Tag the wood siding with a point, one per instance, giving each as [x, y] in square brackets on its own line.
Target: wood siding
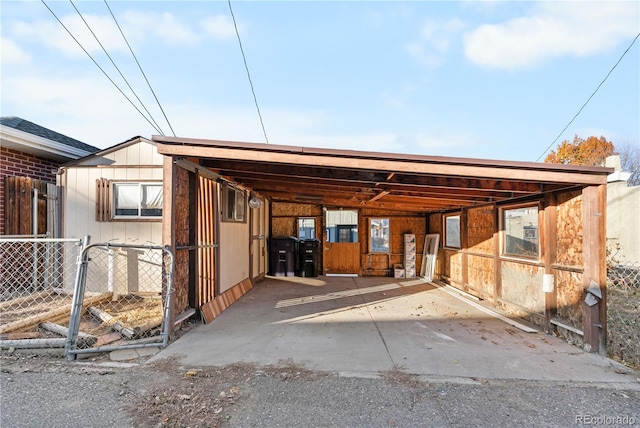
[566, 246]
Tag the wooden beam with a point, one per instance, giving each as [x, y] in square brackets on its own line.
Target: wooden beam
[379, 195]
[399, 166]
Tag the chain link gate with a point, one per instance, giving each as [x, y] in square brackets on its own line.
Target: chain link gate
[36, 288]
[122, 299]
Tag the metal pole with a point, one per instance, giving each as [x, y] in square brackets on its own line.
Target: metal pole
[78, 296]
[34, 252]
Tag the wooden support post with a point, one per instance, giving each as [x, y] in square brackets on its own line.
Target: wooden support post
[549, 249]
[595, 266]
[169, 221]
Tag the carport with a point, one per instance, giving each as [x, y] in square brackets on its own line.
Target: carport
[526, 237]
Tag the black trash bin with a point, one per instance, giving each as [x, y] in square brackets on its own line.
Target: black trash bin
[282, 256]
[308, 252]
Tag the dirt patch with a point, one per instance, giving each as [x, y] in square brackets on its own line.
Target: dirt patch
[204, 397]
[399, 377]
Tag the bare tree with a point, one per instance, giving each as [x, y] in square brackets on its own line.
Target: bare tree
[630, 162]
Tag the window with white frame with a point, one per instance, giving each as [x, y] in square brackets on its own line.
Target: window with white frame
[137, 200]
[452, 231]
[233, 203]
[521, 232]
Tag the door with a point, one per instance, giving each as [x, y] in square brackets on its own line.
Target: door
[206, 241]
[341, 247]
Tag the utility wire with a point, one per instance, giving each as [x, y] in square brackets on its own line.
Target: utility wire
[248, 74]
[591, 96]
[114, 64]
[140, 67]
[98, 65]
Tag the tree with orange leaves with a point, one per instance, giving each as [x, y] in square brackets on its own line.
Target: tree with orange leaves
[590, 152]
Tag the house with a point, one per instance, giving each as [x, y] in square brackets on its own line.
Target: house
[623, 236]
[30, 155]
[528, 237]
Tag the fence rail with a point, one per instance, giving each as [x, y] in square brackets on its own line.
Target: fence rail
[623, 313]
[121, 299]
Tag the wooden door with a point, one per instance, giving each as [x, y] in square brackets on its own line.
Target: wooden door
[341, 249]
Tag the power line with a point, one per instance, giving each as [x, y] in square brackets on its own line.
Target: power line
[101, 69]
[591, 96]
[248, 74]
[116, 67]
[140, 67]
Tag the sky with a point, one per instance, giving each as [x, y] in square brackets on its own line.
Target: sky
[489, 80]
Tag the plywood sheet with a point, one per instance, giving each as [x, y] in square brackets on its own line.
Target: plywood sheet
[569, 295]
[480, 230]
[569, 230]
[522, 285]
[481, 274]
[279, 209]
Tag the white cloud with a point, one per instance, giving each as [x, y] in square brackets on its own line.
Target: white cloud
[12, 53]
[436, 38]
[159, 25]
[51, 33]
[553, 29]
[220, 27]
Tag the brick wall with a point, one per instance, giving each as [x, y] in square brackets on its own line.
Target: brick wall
[20, 164]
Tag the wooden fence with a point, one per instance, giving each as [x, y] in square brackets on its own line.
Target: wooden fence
[19, 212]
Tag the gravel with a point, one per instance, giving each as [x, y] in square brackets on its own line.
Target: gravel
[44, 391]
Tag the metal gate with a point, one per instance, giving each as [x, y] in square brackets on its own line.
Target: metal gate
[121, 300]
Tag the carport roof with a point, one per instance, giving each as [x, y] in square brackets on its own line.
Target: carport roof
[357, 179]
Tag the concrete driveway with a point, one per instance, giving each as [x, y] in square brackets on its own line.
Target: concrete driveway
[362, 326]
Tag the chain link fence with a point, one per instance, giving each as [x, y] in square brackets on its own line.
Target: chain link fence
[121, 300]
[623, 313]
[37, 277]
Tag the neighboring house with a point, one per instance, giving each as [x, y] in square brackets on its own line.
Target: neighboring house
[623, 206]
[525, 236]
[30, 155]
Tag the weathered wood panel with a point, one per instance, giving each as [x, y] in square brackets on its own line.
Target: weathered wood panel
[481, 274]
[279, 209]
[283, 226]
[569, 297]
[182, 234]
[480, 230]
[522, 285]
[378, 264]
[569, 230]
[453, 265]
[18, 205]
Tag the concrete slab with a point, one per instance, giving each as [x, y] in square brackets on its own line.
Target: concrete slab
[132, 354]
[367, 325]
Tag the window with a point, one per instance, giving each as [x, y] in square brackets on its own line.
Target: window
[379, 235]
[521, 231]
[233, 204]
[306, 228]
[452, 231]
[137, 200]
